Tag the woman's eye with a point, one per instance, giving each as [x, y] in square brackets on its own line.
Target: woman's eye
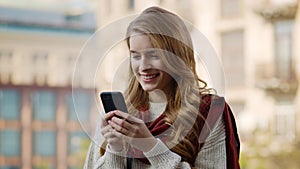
[135, 57]
[154, 56]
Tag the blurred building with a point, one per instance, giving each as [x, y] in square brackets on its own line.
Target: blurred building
[257, 45]
[40, 125]
[255, 40]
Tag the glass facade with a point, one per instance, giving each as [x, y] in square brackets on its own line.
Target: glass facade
[79, 104]
[10, 142]
[9, 105]
[9, 167]
[44, 143]
[43, 137]
[44, 105]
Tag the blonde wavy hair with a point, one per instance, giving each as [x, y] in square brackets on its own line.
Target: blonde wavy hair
[168, 33]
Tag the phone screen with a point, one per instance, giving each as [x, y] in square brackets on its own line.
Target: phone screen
[113, 101]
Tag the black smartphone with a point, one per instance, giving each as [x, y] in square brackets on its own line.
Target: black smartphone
[113, 101]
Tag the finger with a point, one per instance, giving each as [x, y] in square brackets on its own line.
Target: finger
[109, 115]
[121, 122]
[109, 135]
[105, 129]
[106, 117]
[126, 126]
[121, 135]
[117, 127]
[128, 117]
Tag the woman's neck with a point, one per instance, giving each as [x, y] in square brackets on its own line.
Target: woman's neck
[157, 96]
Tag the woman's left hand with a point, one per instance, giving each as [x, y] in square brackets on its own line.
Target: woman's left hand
[133, 130]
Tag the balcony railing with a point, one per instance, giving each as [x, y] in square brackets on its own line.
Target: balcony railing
[277, 9]
[266, 78]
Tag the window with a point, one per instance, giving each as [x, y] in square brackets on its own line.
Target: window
[44, 143]
[73, 17]
[40, 57]
[283, 49]
[79, 106]
[9, 167]
[9, 105]
[285, 119]
[131, 4]
[230, 8]
[5, 56]
[10, 142]
[6, 63]
[233, 57]
[70, 64]
[41, 66]
[44, 106]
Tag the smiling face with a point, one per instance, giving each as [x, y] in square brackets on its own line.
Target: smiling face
[147, 65]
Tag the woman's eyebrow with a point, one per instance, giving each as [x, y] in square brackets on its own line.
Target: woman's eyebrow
[151, 51]
[133, 51]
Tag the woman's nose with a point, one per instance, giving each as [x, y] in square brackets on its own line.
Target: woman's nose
[145, 63]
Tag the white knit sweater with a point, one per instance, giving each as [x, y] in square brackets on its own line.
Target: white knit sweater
[211, 156]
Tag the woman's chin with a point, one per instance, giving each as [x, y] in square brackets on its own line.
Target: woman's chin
[148, 88]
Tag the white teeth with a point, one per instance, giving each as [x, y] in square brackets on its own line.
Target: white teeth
[148, 77]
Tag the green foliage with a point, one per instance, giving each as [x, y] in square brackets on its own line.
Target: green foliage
[265, 151]
[42, 165]
[81, 154]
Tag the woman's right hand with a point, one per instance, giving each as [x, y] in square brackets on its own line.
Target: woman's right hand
[115, 143]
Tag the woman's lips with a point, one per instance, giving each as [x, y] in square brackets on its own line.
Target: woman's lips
[149, 77]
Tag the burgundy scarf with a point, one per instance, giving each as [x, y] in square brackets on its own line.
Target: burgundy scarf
[211, 108]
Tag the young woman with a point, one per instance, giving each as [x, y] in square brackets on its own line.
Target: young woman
[173, 121]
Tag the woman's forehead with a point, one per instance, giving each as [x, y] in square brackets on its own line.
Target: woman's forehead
[140, 42]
